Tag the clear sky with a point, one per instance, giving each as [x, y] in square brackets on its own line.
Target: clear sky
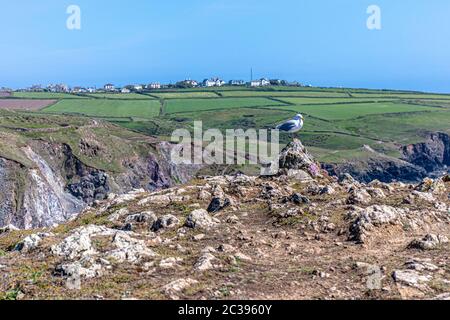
[319, 42]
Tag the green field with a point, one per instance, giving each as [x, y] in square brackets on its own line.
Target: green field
[319, 100]
[184, 95]
[120, 96]
[260, 93]
[45, 95]
[189, 105]
[107, 108]
[402, 96]
[355, 110]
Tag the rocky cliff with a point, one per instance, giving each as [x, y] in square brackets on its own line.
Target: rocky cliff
[48, 176]
[417, 161]
[298, 235]
[432, 155]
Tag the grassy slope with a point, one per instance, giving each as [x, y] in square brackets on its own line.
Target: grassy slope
[350, 111]
[123, 96]
[115, 143]
[190, 105]
[108, 108]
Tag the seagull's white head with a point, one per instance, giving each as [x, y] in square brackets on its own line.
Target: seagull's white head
[298, 117]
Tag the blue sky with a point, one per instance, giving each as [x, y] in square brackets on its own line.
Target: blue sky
[321, 42]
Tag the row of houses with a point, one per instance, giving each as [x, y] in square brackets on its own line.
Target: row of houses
[188, 83]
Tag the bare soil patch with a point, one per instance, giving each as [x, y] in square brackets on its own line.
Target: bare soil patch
[25, 104]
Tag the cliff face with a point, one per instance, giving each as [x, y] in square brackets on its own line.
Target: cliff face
[417, 162]
[59, 185]
[432, 155]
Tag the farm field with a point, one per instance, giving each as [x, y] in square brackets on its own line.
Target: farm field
[319, 100]
[185, 95]
[107, 108]
[402, 96]
[190, 105]
[45, 95]
[25, 104]
[120, 96]
[350, 111]
[301, 93]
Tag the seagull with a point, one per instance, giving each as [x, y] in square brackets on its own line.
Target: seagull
[292, 126]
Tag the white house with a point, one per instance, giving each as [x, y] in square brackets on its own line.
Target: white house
[154, 85]
[109, 87]
[260, 83]
[79, 90]
[190, 82]
[237, 82]
[138, 87]
[125, 90]
[213, 82]
[58, 88]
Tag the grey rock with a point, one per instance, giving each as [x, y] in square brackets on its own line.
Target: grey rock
[167, 221]
[218, 203]
[296, 157]
[205, 262]
[143, 217]
[371, 217]
[31, 242]
[429, 242]
[410, 278]
[200, 219]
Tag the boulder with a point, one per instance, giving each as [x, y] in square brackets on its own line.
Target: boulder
[429, 242]
[205, 262]
[359, 196]
[79, 243]
[295, 157]
[421, 265]
[31, 242]
[129, 249]
[410, 278]
[143, 217]
[297, 198]
[177, 286]
[167, 221]
[218, 203]
[371, 217]
[200, 219]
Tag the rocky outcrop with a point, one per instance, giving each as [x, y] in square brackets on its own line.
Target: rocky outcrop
[432, 155]
[417, 162]
[384, 169]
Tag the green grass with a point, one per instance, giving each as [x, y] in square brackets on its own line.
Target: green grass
[350, 111]
[120, 96]
[184, 95]
[45, 95]
[269, 93]
[191, 105]
[107, 108]
[319, 100]
[402, 96]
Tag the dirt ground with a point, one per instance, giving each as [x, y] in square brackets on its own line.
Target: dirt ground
[25, 104]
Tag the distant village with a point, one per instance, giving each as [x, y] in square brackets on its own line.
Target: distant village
[184, 84]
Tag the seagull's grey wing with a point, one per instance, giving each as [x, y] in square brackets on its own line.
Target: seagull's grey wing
[287, 126]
